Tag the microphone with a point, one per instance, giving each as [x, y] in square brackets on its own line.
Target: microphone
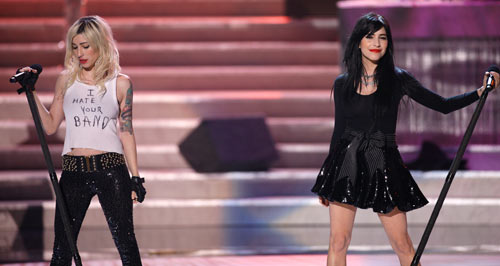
[490, 82]
[21, 75]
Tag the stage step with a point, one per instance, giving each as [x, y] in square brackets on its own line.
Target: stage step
[185, 54]
[187, 184]
[228, 258]
[14, 30]
[31, 8]
[95, 243]
[207, 78]
[196, 104]
[180, 29]
[173, 131]
[246, 212]
[55, 8]
[291, 155]
[276, 224]
[176, 8]
[187, 8]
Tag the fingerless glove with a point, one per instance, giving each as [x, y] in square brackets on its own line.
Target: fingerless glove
[138, 187]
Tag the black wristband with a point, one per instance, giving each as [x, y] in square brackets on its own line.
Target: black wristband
[138, 177]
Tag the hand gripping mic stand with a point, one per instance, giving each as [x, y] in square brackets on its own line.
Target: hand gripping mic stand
[53, 177]
[453, 170]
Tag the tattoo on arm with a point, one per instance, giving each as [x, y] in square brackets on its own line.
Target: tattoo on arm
[126, 115]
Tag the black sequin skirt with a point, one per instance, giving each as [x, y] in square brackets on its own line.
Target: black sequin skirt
[366, 170]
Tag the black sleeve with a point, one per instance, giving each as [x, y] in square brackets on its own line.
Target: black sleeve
[434, 101]
[340, 121]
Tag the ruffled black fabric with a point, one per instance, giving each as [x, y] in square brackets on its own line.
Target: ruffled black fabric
[366, 170]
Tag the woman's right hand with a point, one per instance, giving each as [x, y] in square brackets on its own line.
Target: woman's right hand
[28, 80]
[27, 69]
[496, 76]
[324, 201]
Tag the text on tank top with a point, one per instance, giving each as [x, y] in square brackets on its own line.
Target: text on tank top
[91, 117]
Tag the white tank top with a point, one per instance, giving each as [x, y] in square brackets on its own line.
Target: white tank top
[91, 118]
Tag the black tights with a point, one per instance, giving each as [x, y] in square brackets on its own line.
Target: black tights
[113, 189]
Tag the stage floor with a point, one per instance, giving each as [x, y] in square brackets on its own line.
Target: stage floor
[300, 260]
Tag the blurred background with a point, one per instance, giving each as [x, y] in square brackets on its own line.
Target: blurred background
[193, 61]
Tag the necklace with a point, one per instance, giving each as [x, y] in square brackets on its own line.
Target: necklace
[368, 83]
[368, 76]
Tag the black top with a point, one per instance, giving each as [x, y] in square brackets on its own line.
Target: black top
[358, 113]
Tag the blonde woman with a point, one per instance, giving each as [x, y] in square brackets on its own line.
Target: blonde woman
[94, 97]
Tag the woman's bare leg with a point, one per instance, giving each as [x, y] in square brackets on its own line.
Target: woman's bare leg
[341, 223]
[395, 227]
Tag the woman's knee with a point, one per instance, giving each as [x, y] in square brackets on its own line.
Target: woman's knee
[403, 245]
[340, 242]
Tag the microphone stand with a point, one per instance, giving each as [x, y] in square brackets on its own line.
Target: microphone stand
[451, 174]
[53, 177]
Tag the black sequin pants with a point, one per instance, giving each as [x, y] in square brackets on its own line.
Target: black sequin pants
[113, 188]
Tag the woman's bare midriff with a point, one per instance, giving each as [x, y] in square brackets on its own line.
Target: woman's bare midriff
[84, 152]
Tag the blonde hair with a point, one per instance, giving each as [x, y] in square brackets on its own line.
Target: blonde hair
[98, 33]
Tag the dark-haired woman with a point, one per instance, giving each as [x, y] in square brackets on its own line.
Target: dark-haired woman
[364, 168]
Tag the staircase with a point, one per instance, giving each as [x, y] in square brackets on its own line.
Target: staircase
[190, 59]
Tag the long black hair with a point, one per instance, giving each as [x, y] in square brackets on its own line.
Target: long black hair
[385, 73]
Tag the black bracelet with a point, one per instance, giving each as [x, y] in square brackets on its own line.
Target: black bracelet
[138, 178]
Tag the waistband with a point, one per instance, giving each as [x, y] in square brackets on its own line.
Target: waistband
[92, 163]
[380, 138]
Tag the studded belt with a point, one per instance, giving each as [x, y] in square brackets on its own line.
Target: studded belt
[92, 163]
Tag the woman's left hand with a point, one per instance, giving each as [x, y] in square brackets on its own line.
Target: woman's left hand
[138, 189]
[134, 197]
[496, 76]
[323, 201]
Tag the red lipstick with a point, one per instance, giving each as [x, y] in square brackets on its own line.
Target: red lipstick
[83, 61]
[375, 50]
